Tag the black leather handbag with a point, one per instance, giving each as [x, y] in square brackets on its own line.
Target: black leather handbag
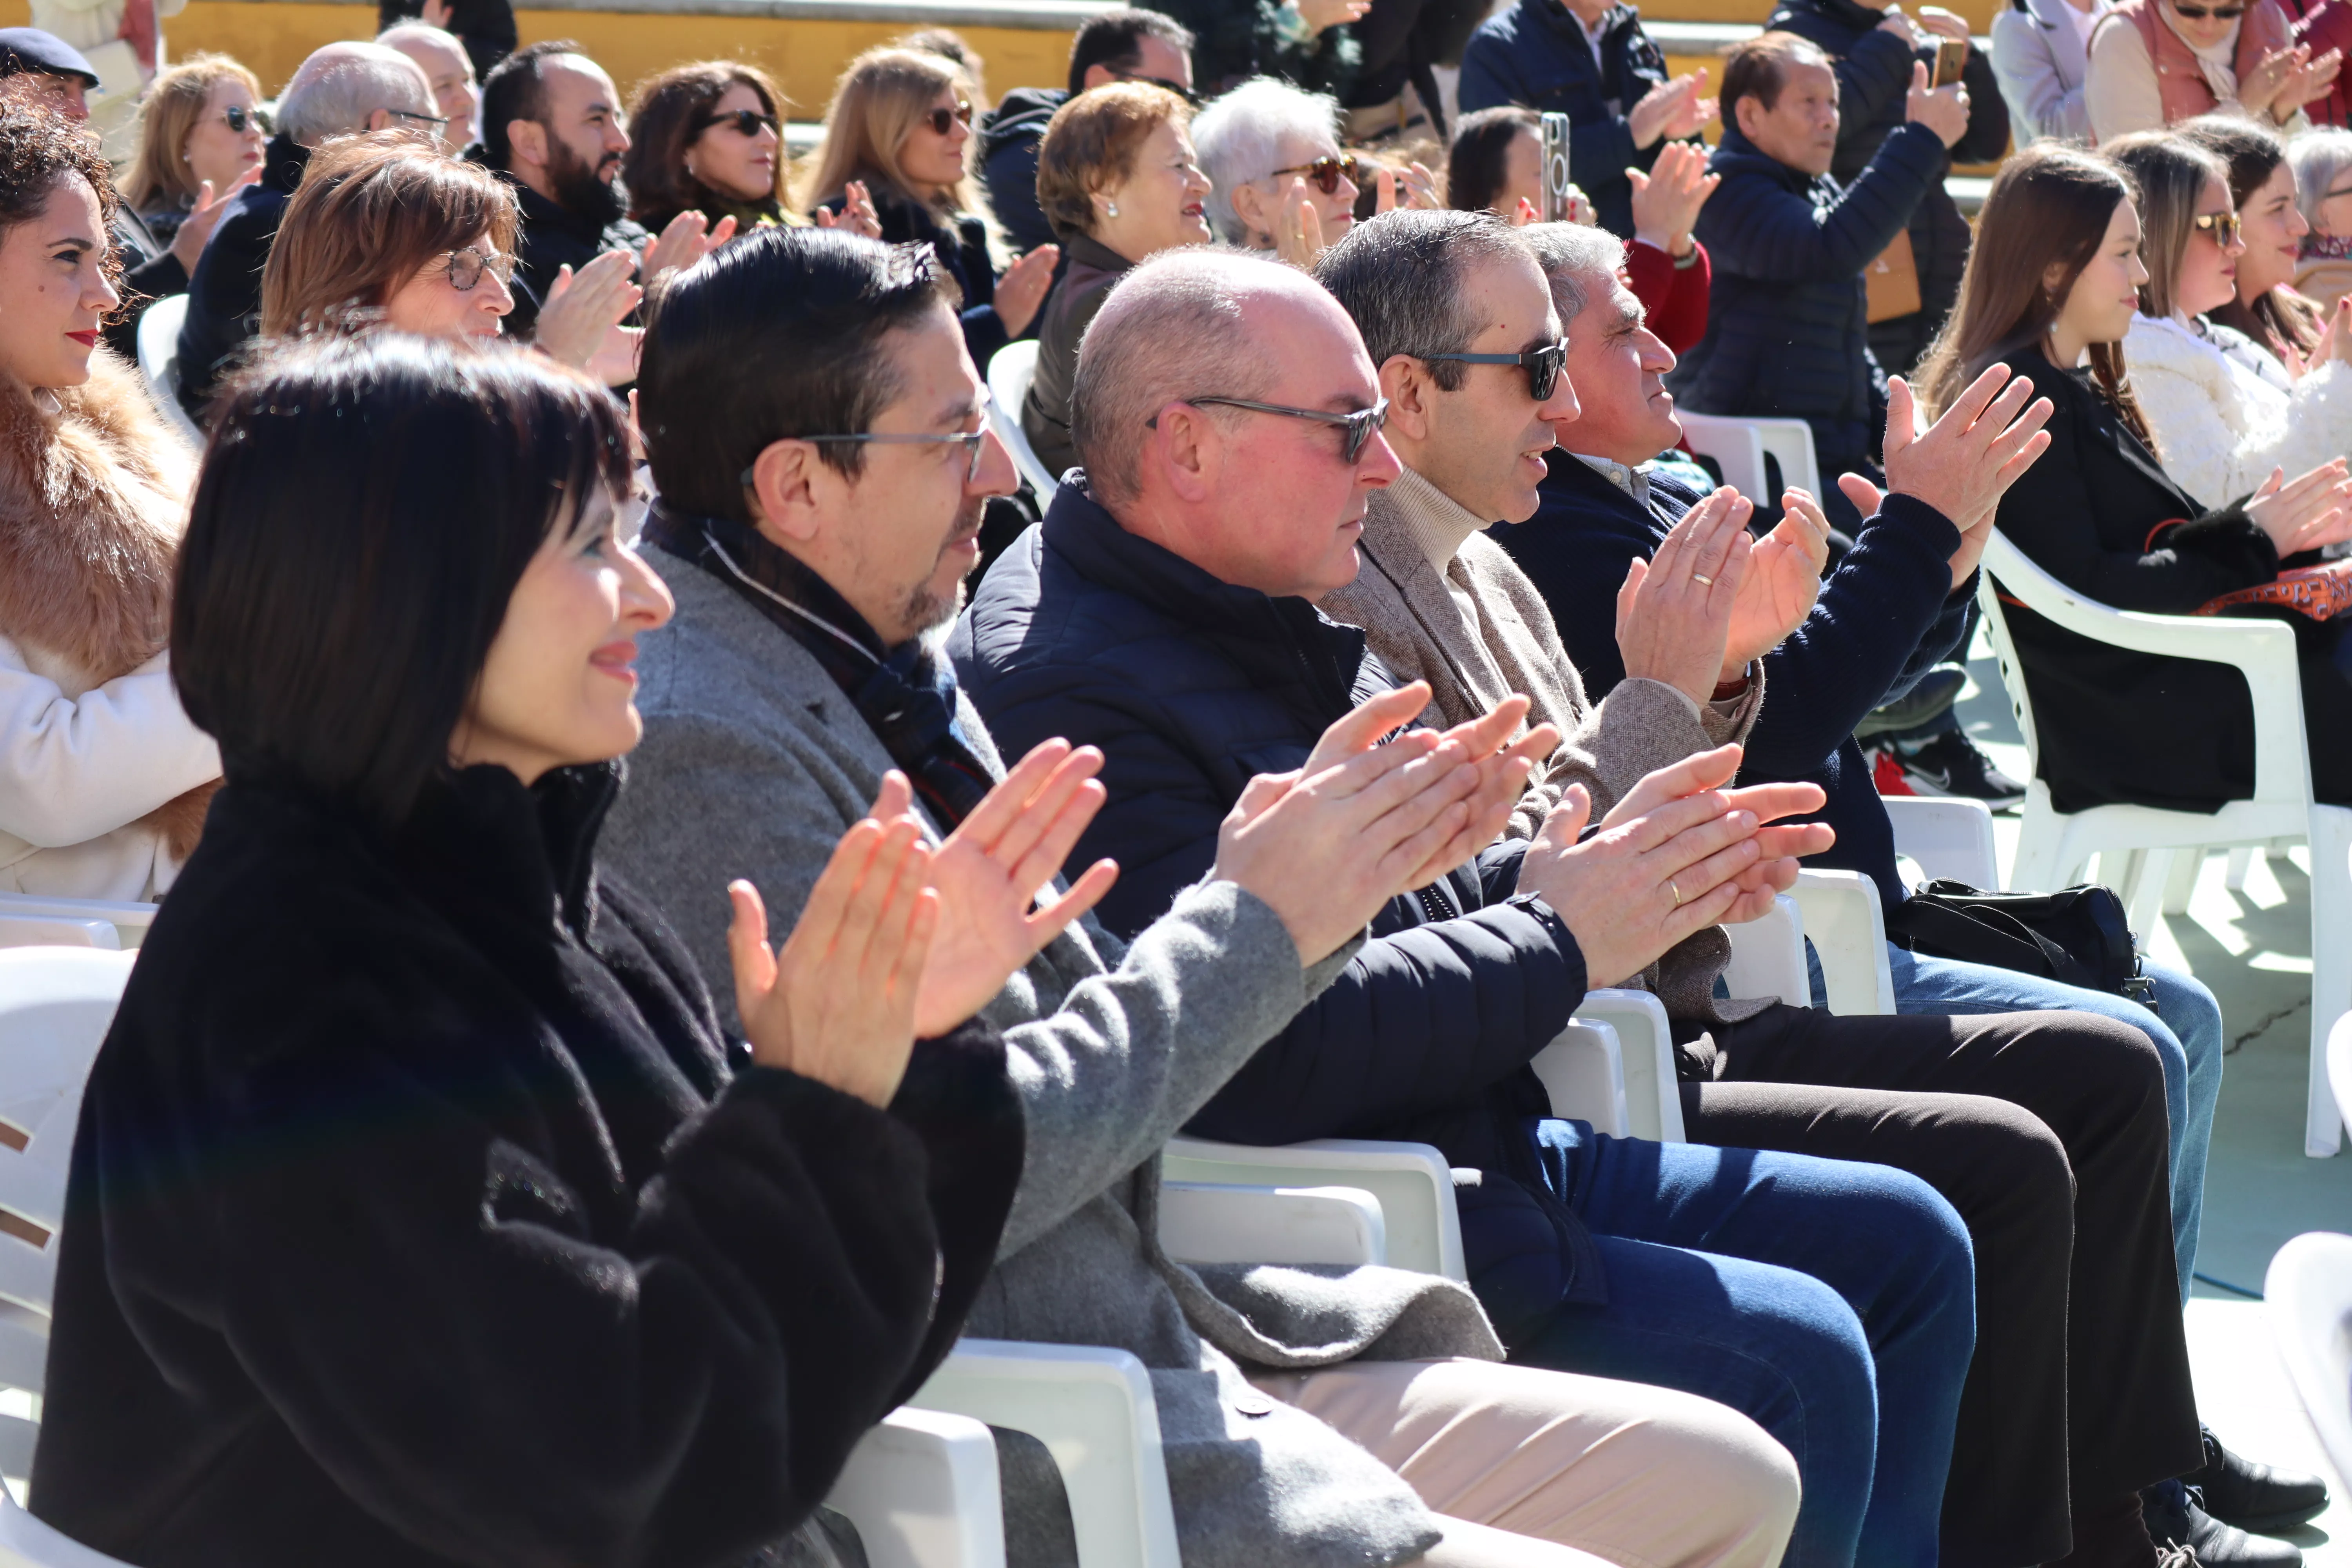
[2078, 936]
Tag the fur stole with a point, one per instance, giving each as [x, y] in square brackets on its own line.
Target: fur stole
[93, 499]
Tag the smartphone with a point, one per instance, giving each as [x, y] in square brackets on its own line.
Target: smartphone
[1951, 59]
[1556, 182]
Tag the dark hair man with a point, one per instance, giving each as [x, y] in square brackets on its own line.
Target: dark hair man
[1122, 45]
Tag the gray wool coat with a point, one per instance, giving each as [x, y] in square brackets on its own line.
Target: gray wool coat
[753, 764]
[1413, 620]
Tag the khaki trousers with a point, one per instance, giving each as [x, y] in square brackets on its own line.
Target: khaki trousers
[1549, 1469]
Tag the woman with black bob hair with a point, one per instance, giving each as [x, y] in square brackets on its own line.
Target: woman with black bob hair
[420, 1212]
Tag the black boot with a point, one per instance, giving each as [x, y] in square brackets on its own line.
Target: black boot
[2175, 1519]
[2255, 1497]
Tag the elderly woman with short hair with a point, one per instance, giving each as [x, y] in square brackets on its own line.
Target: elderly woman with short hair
[2322, 162]
[1117, 179]
[1281, 181]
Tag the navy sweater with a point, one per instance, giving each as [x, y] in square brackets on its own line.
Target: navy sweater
[1887, 616]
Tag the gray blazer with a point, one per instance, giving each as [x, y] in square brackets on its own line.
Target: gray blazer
[2040, 61]
[753, 764]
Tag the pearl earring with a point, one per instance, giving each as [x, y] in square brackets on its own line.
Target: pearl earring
[1110, 209]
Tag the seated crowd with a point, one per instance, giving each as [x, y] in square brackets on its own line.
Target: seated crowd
[583, 583]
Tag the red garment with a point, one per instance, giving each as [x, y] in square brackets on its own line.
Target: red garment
[2178, 79]
[1675, 296]
[2325, 24]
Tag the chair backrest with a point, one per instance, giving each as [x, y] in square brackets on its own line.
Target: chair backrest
[159, 360]
[1768, 956]
[1009, 373]
[56, 1004]
[2307, 1294]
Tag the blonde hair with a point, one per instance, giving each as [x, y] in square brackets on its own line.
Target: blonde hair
[876, 106]
[159, 175]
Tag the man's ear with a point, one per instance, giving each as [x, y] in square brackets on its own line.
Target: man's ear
[1186, 447]
[1413, 397]
[378, 118]
[527, 142]
[1744, 112]
[788, 483]
[1096, 75]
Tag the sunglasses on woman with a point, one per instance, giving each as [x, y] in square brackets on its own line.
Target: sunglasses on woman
[239, 118]
[2223, 226]
[940, 119]
[745, 123]
[1326, 171]
[1356, 428]
[2219, 13]
[466, 267]
[1542, 365]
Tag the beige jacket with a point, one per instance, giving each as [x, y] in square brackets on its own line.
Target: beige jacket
[1419, 624]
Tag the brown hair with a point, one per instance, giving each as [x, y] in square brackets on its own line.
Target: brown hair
[668, 114]
[1093, 140]
[39, 148]
[1759, 69]
[174, 106]
[2171, 173]
[2282, 317]
[2049, 206]
[876, 105]
[371, 212]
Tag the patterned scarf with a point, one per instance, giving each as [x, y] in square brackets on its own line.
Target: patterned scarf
[906, 695]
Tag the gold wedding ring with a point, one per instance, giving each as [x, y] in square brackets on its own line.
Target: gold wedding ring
[1702, 579]
[1677, 892]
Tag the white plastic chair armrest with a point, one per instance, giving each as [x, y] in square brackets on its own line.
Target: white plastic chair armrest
[1093, 1409]
[2308, 1295]
[1208, 1222]
[1849, 932]
[1790, 441]
[39, 931]
[130, 920]
[26, 1543]
[1654, 1102]
[1412, 1181]
[1010, 372]
[1735, 445]
[2263, 650]
[1949, 837]
[922, 1490]
[1583, 1071]
[1768, 956]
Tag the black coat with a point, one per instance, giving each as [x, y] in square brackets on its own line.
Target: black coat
[150, 271]
[1191, 686]
[1090, 269]
[1873, 72]
[962, 245]
[417, 1216]
[1787, 328]
[1010, 135]
[1234, 40]
[224, 295]
[2119, 726]
[554, 237]
[1535, 55]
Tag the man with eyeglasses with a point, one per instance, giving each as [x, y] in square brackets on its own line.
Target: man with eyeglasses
[341, 90]
[443, 59]
[1120, 45]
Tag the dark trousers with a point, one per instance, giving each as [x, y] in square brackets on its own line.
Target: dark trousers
[2066, 1191]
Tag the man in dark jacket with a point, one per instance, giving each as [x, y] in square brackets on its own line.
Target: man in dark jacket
[340, 90]
[1873, 52]
[1164, 615]
[1122, 45]
[1593, 62]
[551, 124]
[1788, 328]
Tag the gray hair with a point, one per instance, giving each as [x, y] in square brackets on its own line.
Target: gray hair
[1239, 138]
[1404, 277]
[1171, 329]
[342, 84]
[2318, 158]
[1569, 253]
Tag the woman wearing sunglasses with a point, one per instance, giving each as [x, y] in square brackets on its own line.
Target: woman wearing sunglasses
[2220, 425]
[2057, 290]
[706, 137]
[2154, 63]
[198, 127]
[900, 123]
[1281, 181]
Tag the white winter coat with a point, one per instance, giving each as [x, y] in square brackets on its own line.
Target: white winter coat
[2221, 426]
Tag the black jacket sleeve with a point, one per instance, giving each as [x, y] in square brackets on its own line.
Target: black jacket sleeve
[1761, 229]
[1989, 128]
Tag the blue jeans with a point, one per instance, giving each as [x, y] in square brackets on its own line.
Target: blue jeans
[1832, 1302]
[2186, 1033]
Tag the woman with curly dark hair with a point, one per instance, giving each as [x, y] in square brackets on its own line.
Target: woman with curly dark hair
[706, 137]
[103, 780]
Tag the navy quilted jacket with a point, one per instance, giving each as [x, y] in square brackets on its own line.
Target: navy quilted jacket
[1787, 328]
[1191, 686]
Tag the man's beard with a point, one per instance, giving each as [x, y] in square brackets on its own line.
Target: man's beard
[926, 609]
[578, 190]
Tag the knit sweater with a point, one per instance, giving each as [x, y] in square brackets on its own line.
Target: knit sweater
[2220, 427]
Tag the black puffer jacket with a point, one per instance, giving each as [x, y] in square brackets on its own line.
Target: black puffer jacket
[1190, 686]
[1788, 326]
[1873, 72]
[1009, 138]
[418, 1218]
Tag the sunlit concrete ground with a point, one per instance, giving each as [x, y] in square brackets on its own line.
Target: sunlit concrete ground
[2254, 948]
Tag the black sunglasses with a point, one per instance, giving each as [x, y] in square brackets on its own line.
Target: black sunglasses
[237, 118]
[1178, 88]
[1326, 171]
[747, 122]
[1357, 427]
[2219, 13]
[1542, 365]
[940, 119]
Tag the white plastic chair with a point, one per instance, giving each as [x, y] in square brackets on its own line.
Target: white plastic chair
[1948, 837]
[159, 361]
[2054, 847]
[2308, 1293]
[1009, 373]
[1646, 1061]
[76, 922]
[1410, 1182]
[1739, 445]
